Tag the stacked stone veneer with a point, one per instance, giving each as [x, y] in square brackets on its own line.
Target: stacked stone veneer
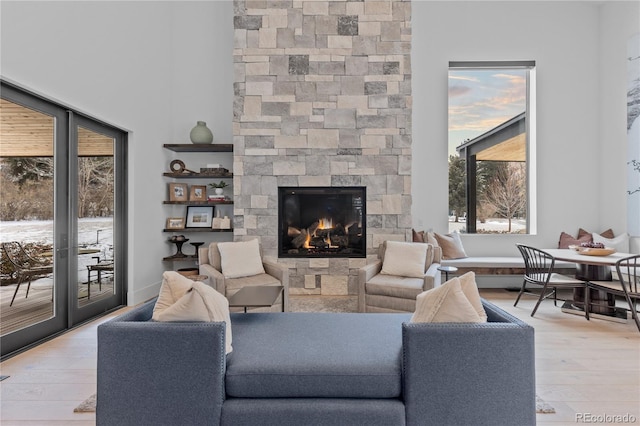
[322, 98]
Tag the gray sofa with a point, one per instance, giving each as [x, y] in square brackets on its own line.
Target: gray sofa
[316, 369]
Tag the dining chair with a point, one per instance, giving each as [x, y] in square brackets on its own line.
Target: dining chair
[539, 271]
[625, 283]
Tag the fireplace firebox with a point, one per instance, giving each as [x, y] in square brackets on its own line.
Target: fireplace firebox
[322, 221]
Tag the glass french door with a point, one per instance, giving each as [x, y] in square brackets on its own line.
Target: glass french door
[94, 228]
[62, 210]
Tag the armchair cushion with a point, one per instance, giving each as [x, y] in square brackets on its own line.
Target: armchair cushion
[235, 284]
[404, 259]
[395, 286]
[181, 299]
[240, 259]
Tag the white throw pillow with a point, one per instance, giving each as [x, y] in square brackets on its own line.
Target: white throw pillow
[181, 299]
[240, 259]
[446, 303]
[470, 289]
[619, 243]
[404, 259]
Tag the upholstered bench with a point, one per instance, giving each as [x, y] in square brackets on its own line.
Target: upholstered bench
[499, 265]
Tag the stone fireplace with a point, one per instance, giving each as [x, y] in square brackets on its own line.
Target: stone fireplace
[322, 99]
[322, 222]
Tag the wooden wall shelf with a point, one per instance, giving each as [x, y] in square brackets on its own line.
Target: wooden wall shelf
[197, 175]
[193, 147]
[185, 258]
[197, 230]
[198, 203]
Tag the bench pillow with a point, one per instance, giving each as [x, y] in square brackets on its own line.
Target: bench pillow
[619, 243]
[567, 240]
[451, 245]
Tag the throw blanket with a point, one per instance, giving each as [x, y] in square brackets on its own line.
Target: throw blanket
[181, 299]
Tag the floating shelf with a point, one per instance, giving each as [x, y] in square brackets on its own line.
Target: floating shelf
[197, 230]
[185, 258]
[193, 147]
[198, 203]
[197, 175]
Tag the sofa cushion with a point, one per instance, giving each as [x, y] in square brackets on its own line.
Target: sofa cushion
[470, 289]
[446, 303]
[291, 355]
[181, 299]
[404, 259]
[395, 286]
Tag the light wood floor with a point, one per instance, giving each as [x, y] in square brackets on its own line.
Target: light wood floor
[581, 367]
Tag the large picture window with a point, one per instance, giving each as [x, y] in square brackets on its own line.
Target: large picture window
[491, 135]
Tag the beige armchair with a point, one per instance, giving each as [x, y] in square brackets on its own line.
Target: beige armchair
[210, 264]
[379, 292]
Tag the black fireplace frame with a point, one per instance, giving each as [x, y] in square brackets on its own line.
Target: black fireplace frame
[284, 191]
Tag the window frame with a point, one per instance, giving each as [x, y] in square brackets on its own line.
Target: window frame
[530, 131]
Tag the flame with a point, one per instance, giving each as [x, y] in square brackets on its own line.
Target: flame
[325, 223]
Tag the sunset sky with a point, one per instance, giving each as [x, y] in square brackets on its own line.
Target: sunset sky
[479, 100]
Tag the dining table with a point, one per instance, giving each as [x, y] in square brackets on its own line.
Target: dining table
[591, 267]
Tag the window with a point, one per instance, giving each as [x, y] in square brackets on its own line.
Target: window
[491, 141]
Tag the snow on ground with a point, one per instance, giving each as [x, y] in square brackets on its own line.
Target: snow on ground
[42, 231]
[93, 233]
[492, 225]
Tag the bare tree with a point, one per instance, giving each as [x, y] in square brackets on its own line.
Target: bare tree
[95, 186]
[506, 193]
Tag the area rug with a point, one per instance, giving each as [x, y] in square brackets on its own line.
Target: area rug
[89, 406]
[542, 407]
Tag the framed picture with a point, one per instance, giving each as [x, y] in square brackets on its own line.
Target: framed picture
[175, 223]
[199, 216]
[198, 193]
[178, 192]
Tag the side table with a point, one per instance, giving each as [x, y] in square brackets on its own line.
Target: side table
[201, 278]
[446, 270]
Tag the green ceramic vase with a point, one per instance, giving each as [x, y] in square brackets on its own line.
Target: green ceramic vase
[201, 133]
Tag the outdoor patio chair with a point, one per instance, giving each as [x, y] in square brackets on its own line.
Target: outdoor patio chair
[539, 271]
[25, 267]
[103, 264]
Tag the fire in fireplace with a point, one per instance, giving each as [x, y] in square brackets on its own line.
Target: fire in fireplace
[322, 221]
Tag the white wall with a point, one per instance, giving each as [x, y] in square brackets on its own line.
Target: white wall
[620, 21]
[579, 153]
[156, 67]
[153, 68]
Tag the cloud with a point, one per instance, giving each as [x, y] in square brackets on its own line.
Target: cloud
[457, 90]
[462, 77]
[482, 100]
